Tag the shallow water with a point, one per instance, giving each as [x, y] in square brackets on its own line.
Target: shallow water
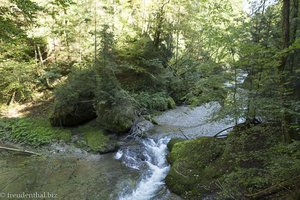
[192, 122]
[135, 172]
[69, 177]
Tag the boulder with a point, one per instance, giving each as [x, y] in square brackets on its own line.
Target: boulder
[116, 118]
[73, 115]
[98, 141]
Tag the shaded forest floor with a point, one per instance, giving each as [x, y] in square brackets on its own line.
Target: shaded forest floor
[30, 109]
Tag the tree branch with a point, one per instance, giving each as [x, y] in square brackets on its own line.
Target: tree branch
[19, 150]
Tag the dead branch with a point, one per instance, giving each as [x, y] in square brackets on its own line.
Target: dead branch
[271, 190]
[19, 150]
[216, 135]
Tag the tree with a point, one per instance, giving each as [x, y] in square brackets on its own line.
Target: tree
[17, 64]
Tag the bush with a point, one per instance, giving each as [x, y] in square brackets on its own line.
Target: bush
[155, 101]
[18, 81]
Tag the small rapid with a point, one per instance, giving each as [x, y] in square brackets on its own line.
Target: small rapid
[136, 172]
[153, 159]
[147, 156]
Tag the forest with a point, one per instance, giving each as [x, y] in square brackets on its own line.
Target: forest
[115, 78]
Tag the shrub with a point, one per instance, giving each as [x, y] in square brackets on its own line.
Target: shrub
[155, 101]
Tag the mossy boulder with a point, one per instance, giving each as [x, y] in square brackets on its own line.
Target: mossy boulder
[191, 172]
[173, 141]
[250, 160]
[117, 118]
[171, 103]
[74, 114]
[91, 137]
[98, 141]
[74, 100]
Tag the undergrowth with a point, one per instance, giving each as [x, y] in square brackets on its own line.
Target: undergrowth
[31, 131]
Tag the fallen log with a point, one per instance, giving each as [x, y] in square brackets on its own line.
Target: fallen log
[19, 150]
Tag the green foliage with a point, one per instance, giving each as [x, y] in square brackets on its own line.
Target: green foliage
[74, 99]
[198, 82]
[32, 131]
[116, 110]
[142, 61]
[142, 52]
[17, 79]
[12, 23]
[154, 102]
[250, 160]
[79, 86]
[19, 73]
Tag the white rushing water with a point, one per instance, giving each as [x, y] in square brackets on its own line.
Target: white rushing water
[154, 159]
[148, 156]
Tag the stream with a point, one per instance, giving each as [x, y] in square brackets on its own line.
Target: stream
[136, 172]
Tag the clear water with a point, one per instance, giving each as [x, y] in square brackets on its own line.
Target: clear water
[136, 172]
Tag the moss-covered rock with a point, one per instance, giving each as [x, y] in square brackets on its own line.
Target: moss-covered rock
[91, 137]
[74, 100]
[171, 103]
[97, 141]
[250, 160]
[117, 118]
[191, 172]
[173, 141]
[74, 114]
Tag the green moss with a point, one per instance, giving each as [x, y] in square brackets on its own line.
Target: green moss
[116, 118]
[173, 141]
[249, 160]
[95, 139]
[32, 131]
[64, 136]
[190, 174]
[171, 103]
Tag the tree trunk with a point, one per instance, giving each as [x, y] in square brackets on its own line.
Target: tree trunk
[12, 98]
[282, 69]
[293, 60]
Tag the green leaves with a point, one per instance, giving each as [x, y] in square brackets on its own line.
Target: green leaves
[28, 8]
[18, 78]
[34, 132]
